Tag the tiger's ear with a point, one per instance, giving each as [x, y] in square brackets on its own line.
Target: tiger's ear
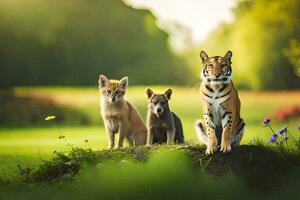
[124, 82]
[149, 93]
[228, 56]
[203, 56]
[168, 94]
[103, 80]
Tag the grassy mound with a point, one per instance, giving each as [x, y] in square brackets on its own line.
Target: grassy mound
[259, 166]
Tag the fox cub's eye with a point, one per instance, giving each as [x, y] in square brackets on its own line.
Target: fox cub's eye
[108, 91]
[163, 103]
[117, 91]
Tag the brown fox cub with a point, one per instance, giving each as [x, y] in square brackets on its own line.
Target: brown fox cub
[221, 105]
[162, 124]
[119, 115]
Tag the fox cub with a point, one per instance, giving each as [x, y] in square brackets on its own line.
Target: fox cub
[222, 123]
[162, 124]
[119, 115]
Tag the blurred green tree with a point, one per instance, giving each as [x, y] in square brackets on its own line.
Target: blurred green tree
[264, 38]
[53, 42]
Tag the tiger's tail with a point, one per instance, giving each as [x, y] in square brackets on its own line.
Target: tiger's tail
[200, 132]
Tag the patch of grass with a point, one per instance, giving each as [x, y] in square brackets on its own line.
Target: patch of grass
[165, 175]
[258, 165]
[257, 141]
[165, 172]
[69, 164]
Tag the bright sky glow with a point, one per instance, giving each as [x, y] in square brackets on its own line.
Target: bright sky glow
[199, 16]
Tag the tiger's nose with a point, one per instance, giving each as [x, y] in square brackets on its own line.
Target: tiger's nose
[218, 75]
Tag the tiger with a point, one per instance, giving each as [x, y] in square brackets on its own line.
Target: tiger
[222, 125]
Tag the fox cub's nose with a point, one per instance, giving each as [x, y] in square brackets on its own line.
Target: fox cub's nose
[113, 99]
[158, 110]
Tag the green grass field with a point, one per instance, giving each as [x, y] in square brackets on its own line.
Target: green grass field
[29, 145]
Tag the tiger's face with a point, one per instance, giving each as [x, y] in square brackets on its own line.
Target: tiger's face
[216, 69]
[112, 90]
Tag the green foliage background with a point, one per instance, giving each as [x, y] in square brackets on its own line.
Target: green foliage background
[52, 42]
[264, 38]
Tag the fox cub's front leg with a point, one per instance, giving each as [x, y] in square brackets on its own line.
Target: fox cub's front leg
[111, 135]
[122, 134]
[211, 134]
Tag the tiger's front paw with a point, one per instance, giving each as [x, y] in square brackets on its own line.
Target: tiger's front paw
[210, 150]
[212, 147]
[225, 148]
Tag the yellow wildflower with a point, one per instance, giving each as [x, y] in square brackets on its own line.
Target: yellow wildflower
[51, 117]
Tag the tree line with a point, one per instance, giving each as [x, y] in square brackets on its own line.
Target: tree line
[70, 42]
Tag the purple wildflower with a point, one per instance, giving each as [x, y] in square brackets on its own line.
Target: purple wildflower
[283, 130]
[274, 138]
[299, 127]
[267, 121]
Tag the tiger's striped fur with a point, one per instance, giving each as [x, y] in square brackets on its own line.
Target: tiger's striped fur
[222, 124]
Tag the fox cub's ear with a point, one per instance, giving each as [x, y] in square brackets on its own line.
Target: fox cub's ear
[103, 80]
[124, 82]
[168, 94]
[149, 93]
[203, 56]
